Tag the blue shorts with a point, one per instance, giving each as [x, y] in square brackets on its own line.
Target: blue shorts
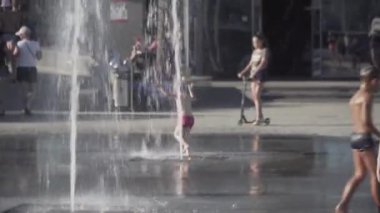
[362, 141]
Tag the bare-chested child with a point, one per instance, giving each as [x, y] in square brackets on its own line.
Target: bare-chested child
[362, 143]
[185, 120]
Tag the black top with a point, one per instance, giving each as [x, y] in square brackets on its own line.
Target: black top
[2, 54]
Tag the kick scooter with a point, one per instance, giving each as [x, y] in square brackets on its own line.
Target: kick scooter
[243, 119]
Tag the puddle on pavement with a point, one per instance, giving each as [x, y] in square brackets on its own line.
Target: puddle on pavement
[119, 167]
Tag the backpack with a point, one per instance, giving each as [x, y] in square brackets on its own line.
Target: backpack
[375, 27]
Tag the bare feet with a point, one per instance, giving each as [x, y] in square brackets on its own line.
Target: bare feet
[258, 122]
[340, 209]
[185, 150]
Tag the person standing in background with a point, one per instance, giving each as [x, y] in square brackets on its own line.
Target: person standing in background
[27, 52]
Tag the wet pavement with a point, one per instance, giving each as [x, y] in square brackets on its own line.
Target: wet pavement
[143, 173]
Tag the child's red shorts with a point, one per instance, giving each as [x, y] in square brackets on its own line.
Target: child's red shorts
[188, 121]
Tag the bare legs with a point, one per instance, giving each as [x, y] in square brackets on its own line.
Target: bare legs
[182, 135]
[28, 89]
[256, 89]
[364, 162]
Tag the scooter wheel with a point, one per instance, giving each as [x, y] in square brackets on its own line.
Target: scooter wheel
[267, 121]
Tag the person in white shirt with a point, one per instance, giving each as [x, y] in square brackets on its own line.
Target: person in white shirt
[27, 52]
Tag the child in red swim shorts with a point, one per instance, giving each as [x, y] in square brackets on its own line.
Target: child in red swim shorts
[185, 121]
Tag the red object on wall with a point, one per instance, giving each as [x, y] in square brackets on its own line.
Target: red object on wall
[119, 10]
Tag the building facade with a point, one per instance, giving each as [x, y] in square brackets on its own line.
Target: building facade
[297, 33]
[220, 31]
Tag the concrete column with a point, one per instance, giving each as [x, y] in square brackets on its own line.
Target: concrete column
[253, 19]
[256, 16]
[198, 37]
[343, 16]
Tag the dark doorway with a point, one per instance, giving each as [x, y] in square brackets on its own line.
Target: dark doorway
[235, 52]
[234, 34]
[287, 25]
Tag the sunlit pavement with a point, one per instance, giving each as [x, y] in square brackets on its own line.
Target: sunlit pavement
[143, 173]
[129, 162]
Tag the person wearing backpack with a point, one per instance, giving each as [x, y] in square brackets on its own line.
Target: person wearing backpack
[374, 35]
[27, 53]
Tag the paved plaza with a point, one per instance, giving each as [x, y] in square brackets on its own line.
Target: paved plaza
[129, 162]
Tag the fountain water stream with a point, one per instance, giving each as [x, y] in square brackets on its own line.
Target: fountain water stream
[83, 18]
[81, 42]
[74, 99]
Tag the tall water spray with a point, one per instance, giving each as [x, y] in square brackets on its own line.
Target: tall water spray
[178, 63]
[166, 22]
[81, 43]
[74, 98]
[83, 40]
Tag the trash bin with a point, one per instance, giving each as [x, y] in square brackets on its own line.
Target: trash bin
[120, 86]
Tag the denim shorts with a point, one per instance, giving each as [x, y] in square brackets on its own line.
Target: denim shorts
[362, 141]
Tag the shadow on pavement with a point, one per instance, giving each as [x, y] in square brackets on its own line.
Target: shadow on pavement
[218, 98]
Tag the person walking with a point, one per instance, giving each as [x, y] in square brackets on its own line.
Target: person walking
[257, 67]
[183, 95]
[27, 52]
[362, 142]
